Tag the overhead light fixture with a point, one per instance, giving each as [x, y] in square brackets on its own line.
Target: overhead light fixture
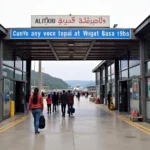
[70, 44]
[115, 25]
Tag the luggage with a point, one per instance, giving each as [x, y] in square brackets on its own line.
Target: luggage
[42, 122]
[73, 110]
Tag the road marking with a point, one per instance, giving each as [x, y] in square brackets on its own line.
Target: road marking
[12, 122]
[6, 127]
[136, 125]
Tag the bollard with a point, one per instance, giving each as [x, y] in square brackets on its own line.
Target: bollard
[12, 108]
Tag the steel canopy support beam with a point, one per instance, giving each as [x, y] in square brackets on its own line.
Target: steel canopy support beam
[89, 49]
[52, 48]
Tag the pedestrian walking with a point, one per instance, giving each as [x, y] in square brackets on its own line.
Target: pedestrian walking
[70, 103]
[36, 105]
[109, 99]
[78, 95]
[64, 100]
[49, 102]
[54, 101]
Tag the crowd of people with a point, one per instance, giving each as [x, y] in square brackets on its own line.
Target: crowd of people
[34, 103]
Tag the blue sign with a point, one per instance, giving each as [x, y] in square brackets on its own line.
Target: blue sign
[69, 33]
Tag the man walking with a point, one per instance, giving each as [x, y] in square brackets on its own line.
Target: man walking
[70, 103]
[64, 101]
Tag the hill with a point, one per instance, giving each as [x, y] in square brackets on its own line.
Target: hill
[91, 84]
[47, 80]
[84, 84]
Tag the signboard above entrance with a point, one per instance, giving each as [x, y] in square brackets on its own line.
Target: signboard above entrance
[69, 21]
[68, 33]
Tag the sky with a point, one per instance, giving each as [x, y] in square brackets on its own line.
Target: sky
[125, 13]
[68, 70]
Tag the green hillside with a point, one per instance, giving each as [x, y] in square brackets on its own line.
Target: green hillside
[47, 80]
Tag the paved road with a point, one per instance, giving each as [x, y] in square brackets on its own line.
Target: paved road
[92, 128]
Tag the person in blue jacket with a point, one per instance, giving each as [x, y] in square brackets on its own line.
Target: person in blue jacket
[51, 94]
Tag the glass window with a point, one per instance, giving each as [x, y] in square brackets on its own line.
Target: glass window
[148, 110]
[18, 63]
[135, 71]
[125, 74]
[8, 96]
[148, 47]
[113, 78]
[119, 65]
[8, 57]
[24, 66]
[98, 75]
[109, 70]
[109, 78]
[103, 80]
[134, 60]
[8, 72]
[112, 69]
[148, 87]
[103, 72]
[124, 63]
[98, 91]
[24, 76]
[148, 67]
[18, 75]
[113, 93]
[120, 75]
[134, 94]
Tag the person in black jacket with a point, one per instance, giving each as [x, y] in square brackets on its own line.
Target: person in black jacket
[108, 98]
[27, 97]
[54, 101]
[64, 101]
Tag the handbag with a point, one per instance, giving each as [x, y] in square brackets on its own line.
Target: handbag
[42, 122]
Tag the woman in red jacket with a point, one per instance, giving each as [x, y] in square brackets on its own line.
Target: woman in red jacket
[49, 102]
[36, 105]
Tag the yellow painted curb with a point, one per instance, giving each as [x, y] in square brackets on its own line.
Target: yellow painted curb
[136, 125]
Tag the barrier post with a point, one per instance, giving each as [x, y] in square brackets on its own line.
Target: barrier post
[12, 108]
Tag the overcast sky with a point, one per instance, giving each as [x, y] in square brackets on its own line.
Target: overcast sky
[68, 70]
[126, 13]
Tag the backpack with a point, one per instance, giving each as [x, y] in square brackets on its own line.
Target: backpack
[42, 122]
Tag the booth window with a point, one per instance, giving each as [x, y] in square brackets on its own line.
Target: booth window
[18, 63]
[134, 72]
[24, 76]
[8, 72]
[133, 61]
[124, 62]
[18, 75]
[8, 56]
[125, 74]
[24, 66]
[108, 70]
[112, 69]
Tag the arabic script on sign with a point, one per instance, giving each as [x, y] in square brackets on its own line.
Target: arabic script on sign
[85, 20]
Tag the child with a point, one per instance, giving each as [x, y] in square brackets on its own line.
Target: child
[49, 102]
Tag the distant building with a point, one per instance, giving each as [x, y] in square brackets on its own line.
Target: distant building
[91, 89]
[43, 89]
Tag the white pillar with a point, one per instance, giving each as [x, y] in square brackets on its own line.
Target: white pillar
[40, 76]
